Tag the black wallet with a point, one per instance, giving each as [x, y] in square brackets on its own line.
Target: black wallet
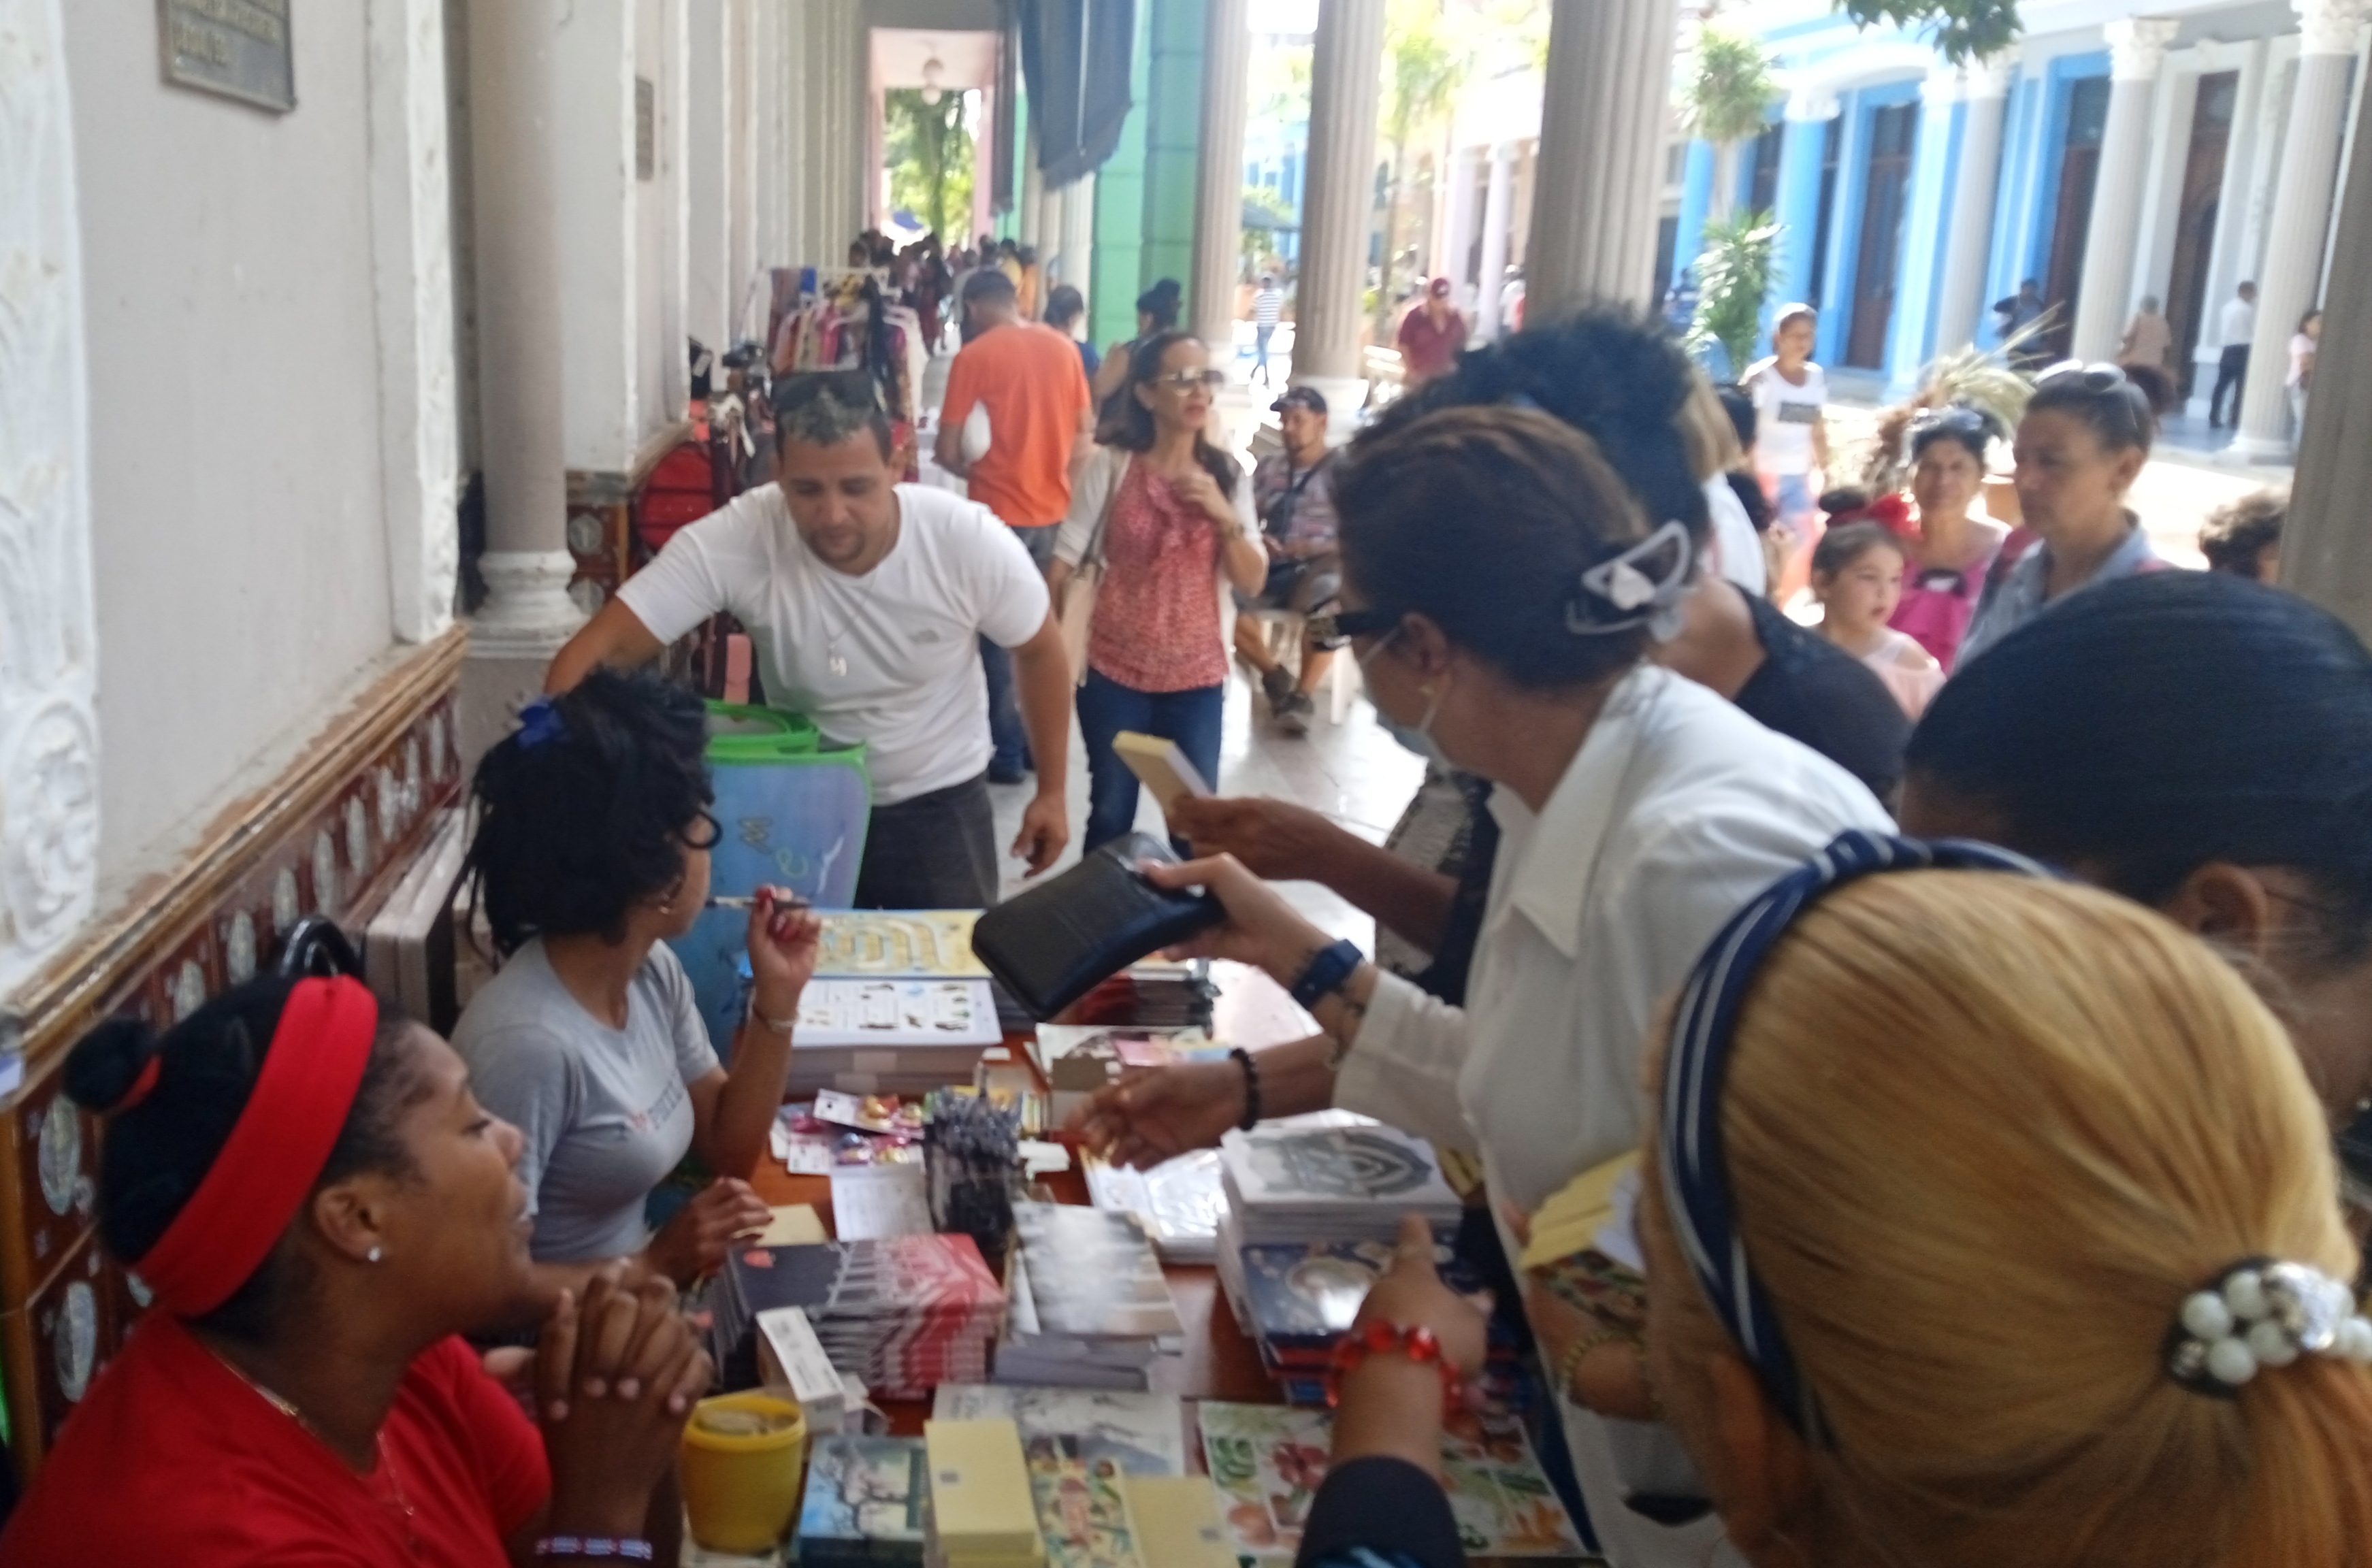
[1055, 942]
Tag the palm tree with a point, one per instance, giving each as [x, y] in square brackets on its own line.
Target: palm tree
[1728, 98]
[1422, 70]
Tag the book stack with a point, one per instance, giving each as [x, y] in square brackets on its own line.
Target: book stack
[903, 1313]
[1178, 1201]
[866, 1506]
[1084, 1448]
[1090, 1306]
[982, 1514]
[1301, 1298]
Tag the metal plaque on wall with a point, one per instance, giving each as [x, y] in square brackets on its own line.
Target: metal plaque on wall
[237, 48]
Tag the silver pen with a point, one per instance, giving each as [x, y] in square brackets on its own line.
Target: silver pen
[750, 900]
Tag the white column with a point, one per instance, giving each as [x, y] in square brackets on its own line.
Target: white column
[49, 727]
[1497, 200]
[797, 135]
[1346, 78]
[412, 266]
[858, 167]
[1967, 239]
[1601, 158]
[592, 134]
[527, 613]
[2327, 545]
[1459, 239]
[2136, 53]
[1031, 219]
[707, 163]
[1078, 235]
[984, 165]
[1219, 174]
[742, 178]
[2288, 284]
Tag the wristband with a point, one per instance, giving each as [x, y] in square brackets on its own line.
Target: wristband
[1327, 969]
[773, 1026]
[1419, 1344]
[619, 1547]
[1250, 1118]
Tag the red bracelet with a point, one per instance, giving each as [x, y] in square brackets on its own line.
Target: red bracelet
[1419, 1344]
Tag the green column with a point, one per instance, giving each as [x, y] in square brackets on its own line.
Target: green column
[1173, 140]
[1120, 208]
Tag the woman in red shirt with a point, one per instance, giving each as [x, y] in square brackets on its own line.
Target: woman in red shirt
[320, 1208]
[1169, 514]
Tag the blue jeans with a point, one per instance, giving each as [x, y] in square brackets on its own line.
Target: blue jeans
[1106, 707]
[1006, 731]
[1261, 336]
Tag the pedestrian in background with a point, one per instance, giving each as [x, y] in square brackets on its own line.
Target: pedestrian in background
[2236, 325]
[1268, 306]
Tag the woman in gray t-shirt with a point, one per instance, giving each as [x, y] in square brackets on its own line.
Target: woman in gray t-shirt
[591, 851]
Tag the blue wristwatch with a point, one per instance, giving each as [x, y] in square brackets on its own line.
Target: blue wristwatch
[1327, 969]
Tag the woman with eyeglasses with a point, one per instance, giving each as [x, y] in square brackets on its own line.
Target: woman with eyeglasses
[2085, 435]
[591, 854]
[1165, 514]
[1947, 562]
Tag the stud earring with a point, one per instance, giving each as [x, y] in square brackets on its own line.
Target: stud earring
[372, 1256]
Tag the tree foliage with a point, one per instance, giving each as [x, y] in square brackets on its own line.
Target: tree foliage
[1425, 66]
[1961, 31]
[1731, 90]
[1736, 271]
[929, 149]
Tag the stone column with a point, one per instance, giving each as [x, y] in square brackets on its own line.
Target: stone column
[824, 245]
[1969, 232]
[1497, 199]
[983, 167]
[708, 131]
[1345, 79]
[1805, 139]
[527, 613]
[1078, 235]
[592, 137]
[2286, 283]
[1601, 158]
[741, 186]
[2327, 545]
[1458, 229]
[1219, 174]
[2136, 52]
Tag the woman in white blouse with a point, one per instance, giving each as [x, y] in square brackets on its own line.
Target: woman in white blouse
[1502, 591]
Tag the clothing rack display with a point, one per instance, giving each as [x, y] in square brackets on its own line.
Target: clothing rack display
[845, 319]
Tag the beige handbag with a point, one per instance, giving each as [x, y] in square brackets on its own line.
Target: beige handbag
[1078, 611]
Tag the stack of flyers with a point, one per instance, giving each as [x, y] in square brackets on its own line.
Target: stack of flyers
[904, 1313]
[1178, 1201]
[1269, 1460]
[1331, 1183]
[868, 1504]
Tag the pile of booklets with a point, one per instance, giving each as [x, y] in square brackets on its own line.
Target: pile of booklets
[1313, 1210]
[1090, 1306]
[1178, 1201]
[982, 1512]
[868, 1504]
[903, 1313]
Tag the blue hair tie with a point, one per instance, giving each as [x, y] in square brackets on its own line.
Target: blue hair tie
[1695, 1169]
[539, 721]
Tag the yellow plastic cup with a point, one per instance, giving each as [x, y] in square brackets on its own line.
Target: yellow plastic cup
[742, 1459]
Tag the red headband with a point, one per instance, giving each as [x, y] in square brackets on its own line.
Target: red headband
[274, 1153]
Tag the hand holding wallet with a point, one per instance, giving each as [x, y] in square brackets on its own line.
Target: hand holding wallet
[1056, 942]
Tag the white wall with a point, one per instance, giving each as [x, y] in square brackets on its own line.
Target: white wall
[238, 549]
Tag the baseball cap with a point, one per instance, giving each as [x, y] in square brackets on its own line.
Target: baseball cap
[1438, 288]
[1300, 397]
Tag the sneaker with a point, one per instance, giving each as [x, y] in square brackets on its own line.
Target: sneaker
[1277, 685]
[1294, 714]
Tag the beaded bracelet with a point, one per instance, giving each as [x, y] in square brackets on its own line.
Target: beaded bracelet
[622, 1548]
[1251, 1116]
[1419, 1344]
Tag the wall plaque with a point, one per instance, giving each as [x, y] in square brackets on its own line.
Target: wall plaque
[646, 129]
[237, 48]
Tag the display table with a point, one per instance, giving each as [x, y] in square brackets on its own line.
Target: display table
[1220, 1361]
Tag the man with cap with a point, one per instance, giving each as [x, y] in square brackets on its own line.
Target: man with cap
[1430, 336]
[1293, 491]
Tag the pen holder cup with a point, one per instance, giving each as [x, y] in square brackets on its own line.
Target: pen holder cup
[742, 1460]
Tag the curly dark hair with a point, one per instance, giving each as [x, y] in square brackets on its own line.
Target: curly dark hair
[581, 815]
[2237, 533]
[158, 1150]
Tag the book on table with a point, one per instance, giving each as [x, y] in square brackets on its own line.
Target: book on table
[1331, 1183]
[983, 1515]
[866, 1503]
[1090, 1302]
[903, 1313]
[1085, 1448]
[1178, 1201]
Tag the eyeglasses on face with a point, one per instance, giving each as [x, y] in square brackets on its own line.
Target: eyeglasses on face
[1347, 624]
[704, 831]
[1187, 380]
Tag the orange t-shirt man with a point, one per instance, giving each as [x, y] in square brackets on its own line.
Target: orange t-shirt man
[1031, 380]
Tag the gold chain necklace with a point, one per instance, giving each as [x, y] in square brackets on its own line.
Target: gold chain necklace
[392, 1498]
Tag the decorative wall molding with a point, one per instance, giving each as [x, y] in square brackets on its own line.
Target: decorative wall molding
[2330, 26]
[412, 244]
[49, 734]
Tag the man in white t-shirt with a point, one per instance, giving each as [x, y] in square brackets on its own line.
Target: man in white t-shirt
[866, 600]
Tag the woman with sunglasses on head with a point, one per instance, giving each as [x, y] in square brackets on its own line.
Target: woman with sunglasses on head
[591, 854]
[319, 1207]
[1947, 562]
[1503, 588]
[1167, 513]
[1877, 1078]
[2082, 443]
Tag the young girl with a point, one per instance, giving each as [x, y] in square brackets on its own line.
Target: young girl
[1857, 578]
[1791, 440]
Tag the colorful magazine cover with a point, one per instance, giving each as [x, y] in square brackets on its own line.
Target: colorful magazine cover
[866, 1497]
[1081, 1511]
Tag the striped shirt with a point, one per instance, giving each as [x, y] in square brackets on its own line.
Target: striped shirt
[1267, 306]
